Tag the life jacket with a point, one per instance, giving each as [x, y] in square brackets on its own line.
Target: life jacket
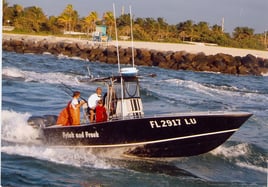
[101, 114]
[65, 117]
[75, 115]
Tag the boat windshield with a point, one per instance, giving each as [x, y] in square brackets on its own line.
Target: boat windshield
[130, 90]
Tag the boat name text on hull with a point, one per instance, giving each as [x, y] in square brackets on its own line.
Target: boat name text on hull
[83, 134]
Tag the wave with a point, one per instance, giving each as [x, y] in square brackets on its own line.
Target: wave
[20, 138]
[252, 167]
[223, 94]
[13, 73]
[62, 56]
[32, 76]
[211, 88]
[232, 151]
[243, 155]
[66, 156]
[15, 127]
[191, 85]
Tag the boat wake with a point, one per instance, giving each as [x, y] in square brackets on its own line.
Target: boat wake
[243, 155]
[20, 138]
[190, 94]
[211, 89]
[16, 129]
[32, 76]
[13, 74]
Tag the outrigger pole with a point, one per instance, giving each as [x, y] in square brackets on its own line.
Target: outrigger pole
[132, 44]
[116, 39]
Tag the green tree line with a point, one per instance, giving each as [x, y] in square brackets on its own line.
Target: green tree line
[33, 20]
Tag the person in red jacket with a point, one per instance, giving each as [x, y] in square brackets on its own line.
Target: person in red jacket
[101, 114]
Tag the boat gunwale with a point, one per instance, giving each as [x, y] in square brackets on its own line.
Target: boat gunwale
[178, 114]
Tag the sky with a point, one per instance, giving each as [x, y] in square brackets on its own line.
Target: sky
[236, 13]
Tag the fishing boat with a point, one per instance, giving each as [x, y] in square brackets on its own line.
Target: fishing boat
[139, 134]
[128, 127]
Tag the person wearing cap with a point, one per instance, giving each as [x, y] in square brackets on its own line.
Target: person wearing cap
[75, 108]
[70, 115]
[92, 103]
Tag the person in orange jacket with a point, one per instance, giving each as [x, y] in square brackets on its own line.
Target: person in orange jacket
[70, 115]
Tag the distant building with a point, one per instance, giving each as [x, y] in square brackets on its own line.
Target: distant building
[100, 34]
[8, 28]
[74, 33]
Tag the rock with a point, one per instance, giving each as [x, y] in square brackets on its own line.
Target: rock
[179, 60]
[158, 58]
[144, 57]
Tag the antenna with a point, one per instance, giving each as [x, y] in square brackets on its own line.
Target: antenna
[122, 10]
[116, 38]
[119, 71]
[132, 45]
[222, 24]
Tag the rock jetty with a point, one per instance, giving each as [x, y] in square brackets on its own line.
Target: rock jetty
[176, 60]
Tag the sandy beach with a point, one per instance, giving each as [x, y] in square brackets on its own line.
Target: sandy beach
[190, 48]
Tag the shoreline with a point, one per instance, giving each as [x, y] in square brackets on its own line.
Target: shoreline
[190, 57]
[194, 48]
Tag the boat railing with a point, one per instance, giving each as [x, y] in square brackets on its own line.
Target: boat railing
[130, 116]
[132, 108]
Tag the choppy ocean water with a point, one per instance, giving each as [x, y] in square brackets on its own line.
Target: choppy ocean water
[31, 85]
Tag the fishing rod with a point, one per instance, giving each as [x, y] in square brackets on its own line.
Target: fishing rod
[67, 87]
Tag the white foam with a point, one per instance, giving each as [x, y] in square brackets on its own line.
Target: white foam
[252, 167]
[232, 151]
[22, 141]
[50, 77]
[236, 151]
[15, 127]
[197, 87]
[217, 92]
[13, 72]
[62, 56]
[66, 156]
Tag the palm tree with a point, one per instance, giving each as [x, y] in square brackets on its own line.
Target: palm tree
[109, 21]
[68, 18]
[150, 26]
[90, 21]
[63, 20]
[18, 9]
[7, 13]
[241, 33]
[87, 24]
[186, 30]
[32, 19]
[162, 28]
[36, 17]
